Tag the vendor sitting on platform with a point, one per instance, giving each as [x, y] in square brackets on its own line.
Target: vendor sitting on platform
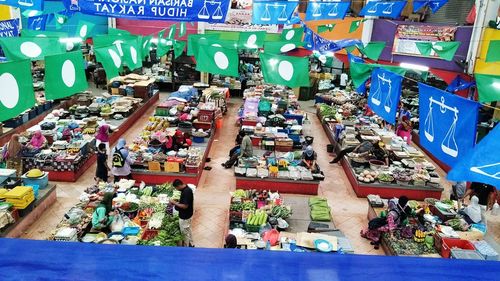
[309, 157]
[103, 214]
[379, 153]
[38, 141]
[245, 150]
[397, 212]
[363, 149]
[181, 140]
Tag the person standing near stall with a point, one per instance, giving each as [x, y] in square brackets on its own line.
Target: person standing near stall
[12, 155]
[185, 208]
[102, 136]
[102, 169]
[121, 161]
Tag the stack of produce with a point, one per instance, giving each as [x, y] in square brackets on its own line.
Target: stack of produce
[320, 211]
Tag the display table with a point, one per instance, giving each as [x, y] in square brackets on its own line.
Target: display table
[280, 185]
[153, 177]
[415, 138]
[72, 176]
[46, 197]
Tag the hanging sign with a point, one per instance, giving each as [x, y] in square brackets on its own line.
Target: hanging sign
[9, 28]
[24, 4]
[178, 10]
[327, 10]
[385, 92]
[387, 9]
[407, 36]
[481, 164]
[38, 22]
[273, 12]
[447, 123]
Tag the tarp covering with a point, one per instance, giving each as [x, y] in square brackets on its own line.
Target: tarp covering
[44, 260]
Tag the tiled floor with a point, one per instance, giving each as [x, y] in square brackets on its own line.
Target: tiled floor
[212, 196]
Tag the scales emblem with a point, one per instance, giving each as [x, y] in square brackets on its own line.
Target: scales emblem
[387, 10]
[317, 10]
[205, 12]
[449, 144]
[376, 97]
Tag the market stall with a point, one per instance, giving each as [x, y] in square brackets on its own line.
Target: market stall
[138, 215]
[273, 119]
[273, 221]
[402, 170]
[176, 141]
[23, 200]
[439, 232]
[67, 146]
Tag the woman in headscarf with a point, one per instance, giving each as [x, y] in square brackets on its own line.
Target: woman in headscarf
[309, 158]
[38, 141]
[12, 154]
[181, 141]
[103, 214]
[472, 213]
[102, 136]
[121, 161]
[397, 212]
[404, 129]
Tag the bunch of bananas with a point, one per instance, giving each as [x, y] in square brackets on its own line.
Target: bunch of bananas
[419, 236]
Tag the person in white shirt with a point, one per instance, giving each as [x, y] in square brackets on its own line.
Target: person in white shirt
[343, 80]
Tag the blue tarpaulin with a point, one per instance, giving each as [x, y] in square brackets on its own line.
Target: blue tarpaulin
[45, 260]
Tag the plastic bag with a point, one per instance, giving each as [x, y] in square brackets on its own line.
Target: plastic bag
[273, 236]
[117, 224]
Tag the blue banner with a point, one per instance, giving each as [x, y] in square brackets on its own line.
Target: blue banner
[9, 28]
[435, 5]
[387, 9]
[25, 4]
[38, 22]
[327, 10]
[273, 12]
[213, 11]
[447, 123]
[481, 164]
[323, 45]
[385, 92]
[459, 84]
[308, 38]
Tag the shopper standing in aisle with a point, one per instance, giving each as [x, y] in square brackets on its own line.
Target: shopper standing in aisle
[185, 208]
[12, 155]
[121, 161]
[343, 80]
[102, 136]
[102, 169]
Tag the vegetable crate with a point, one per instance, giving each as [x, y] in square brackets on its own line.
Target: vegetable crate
[252, 228]
[450, 243]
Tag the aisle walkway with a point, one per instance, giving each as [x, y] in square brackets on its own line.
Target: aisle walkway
[212, 196]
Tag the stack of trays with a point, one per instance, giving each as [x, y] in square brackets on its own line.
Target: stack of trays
[20, 196]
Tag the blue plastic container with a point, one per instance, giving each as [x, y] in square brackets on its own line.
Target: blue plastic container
[130, 230]
[42, 182]
[35, 189]
[198, 139]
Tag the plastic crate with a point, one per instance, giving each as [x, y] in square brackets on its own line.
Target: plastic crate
[252, 228]
[483, 248]
[35, 187]
[149, 234]
[450, 243]
[42, 182]
[465, 254]
[162, 111]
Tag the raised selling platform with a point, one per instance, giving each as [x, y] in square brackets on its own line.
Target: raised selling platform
[280, 185]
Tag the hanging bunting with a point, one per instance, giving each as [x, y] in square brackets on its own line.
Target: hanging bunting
[434, 5]
[326, 60]
[60, 20]
[64, 75]
[446, 50]
[459, 84]
[252, 40]
[325, 28]
[171, 31]
[9, 28]
[84, 29]
[327, 10]
[199, 10]
[488, 87]
[50, 34]
[293, 34]
[195, 39]
[216, 59]
[132, 53]
[324, 45]
[424, 48]
[447, 123]
[387, 9]
[38, 22]
[118, 32]
[110, 59]
[284, 70]
[308, 38]
[360, 72]
[355, 25]
[31, 13]
[163, 46]
[385, 92]
[34, 48]
[493, 54]
[17, 93]
[372, 50]
[272, 12]
[480, 164]
[182, 29]
[25, 4]
[280, 47]
[146, 45]
[179, 47]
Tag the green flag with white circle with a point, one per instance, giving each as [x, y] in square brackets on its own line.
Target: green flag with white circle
[132, 54]
[284, 70]
[43, 33]
[179, 47]
[216, 59]
[195, 39]
[60, 20]
[146, 45]
[293, 34]
[17, 93]
[84, 29]
[171, 32]
[117, 31]
[163, 46]
[33, 48]
[110, 59]
[182, 29]
[64, 75]
[281, 47]
[252, 40]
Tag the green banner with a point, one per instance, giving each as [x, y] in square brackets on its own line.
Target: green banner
[488, 87]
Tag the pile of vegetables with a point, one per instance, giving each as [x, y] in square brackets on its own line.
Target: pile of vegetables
[327, 111]
[402, 175]
[257, 218]
[407, 247]
[281, 211]
[367, 176]
[320, 211]
[383, 177]
[245, 206]
[169, 233]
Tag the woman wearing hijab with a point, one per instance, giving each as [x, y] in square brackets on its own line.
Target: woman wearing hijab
[181, 140]
[12, 154]
[397, 212]
[38, 141]
[102, 136]
[472, 213]
[309, 158]
[103, 214]
[121, 161]
[404, 128]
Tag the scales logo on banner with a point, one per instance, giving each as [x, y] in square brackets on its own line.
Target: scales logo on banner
[434, 5]
[9, 28]
[482, 164]
[388, 9]
[273, 12]
[447, 123]
[24, 4]
[179, 10]
[384, 95]
[38, 23]
[327, 10]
